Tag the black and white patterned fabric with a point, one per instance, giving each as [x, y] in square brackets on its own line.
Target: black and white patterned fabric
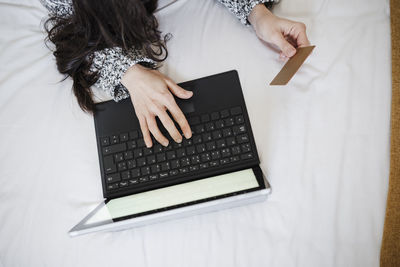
[112, 63]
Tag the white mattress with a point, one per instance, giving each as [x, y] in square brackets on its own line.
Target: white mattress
[323, 141]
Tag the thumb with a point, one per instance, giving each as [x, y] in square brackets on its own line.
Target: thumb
[287, 49]
[177, 90]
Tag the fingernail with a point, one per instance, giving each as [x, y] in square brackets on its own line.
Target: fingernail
[179, 140]
[166, 143]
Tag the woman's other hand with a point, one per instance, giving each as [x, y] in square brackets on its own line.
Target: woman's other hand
[151, 97]
[284, 33]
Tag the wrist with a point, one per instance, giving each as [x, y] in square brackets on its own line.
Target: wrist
[128, 75]
[258, 13]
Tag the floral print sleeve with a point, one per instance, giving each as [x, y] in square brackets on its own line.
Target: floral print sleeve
[110, 63]
[242, 8]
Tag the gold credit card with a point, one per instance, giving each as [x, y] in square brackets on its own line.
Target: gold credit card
[292, 66]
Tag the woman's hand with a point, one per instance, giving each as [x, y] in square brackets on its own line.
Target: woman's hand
[286, 34]
[151, 97]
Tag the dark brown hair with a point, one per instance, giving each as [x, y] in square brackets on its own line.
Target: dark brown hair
[99, 24]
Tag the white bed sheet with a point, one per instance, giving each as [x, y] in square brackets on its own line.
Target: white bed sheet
[323, 141]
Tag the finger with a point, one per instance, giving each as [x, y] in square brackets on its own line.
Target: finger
[180, 118]
[302, 40]
[177, 90]
[145, 131]
[153, 127]
[287, 49]
[170, 126]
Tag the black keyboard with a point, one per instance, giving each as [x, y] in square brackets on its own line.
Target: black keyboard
[219, 139]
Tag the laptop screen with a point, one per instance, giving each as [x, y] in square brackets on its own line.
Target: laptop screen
[152, 201]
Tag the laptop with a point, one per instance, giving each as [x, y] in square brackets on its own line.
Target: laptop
[218, 167]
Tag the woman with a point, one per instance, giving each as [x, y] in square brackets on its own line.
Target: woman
[115, 45]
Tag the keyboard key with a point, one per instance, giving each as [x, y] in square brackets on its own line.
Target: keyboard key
[165, 166]
[225, 152]
[105, 141]
[124, 137]
[133, 181]
[112, 178]
[114, 149]
[214, 163]
[145, 170]
[153, 176]
[180, 153]
[173, 172]
[114, 139]
[224, 161]
[122, 166]
[204, 165]
[137, 153]
[199, 129]
[134, 135]
[205, 118]
[194, 168]
[112, 186]
[109, 165]
[234, 158]
[205, 157]
[230, 141]
[147, 151]
[239, 119]
[141, 162]
[128, 155]
[155, 168]
[224, 113]
[211, 146]
[236, 111]
[235, 150]
[131, 145]
[131, 164]
[216, 134]
[175, 164]
[215, 116]
[163, 174]
[194, 120]
[239, 129]
[190, 150]
[151, 159]
[157, 148]
[195, 159]
[246, 148]
[242, 138]
[183, 170]
[140, 142]
[210, 127]
[215, 155]
[201, 148]
[135, 173]
[161, 157]
[219, 124]
[197, 139]
[207, 137]
[187, 142]
[221, 143]
[126, 175]
[143, 179]
[246, 156]
[185, 162]
[226, 132]
[229, 122]
[118, 157]
[171, 155]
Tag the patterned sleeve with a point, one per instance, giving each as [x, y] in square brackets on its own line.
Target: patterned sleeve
[242, 8]
[110, 63]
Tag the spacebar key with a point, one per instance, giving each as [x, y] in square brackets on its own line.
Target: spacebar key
[114, 149]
